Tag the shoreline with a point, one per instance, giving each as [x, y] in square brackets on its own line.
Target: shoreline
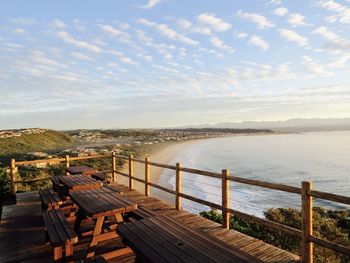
[164, 153]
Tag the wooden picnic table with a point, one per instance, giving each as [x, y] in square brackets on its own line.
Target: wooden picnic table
[99, 204]
[84, 170]
[79, 182]
[163, 239]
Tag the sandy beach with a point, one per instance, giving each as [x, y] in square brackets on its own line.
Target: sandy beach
[161, 153]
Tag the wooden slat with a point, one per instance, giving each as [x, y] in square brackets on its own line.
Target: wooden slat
[330, 197]
[280, 187]
[53, 236]
[139, 245]
[331, 245]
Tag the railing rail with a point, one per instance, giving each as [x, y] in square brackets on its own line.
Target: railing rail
[306, 193]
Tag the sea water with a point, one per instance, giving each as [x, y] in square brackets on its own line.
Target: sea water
[320, 157]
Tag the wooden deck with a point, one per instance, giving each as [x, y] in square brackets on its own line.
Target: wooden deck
[22, 237]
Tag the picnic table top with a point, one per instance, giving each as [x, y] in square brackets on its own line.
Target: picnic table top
[79, 182]
[85, 170]
[101, 202]
[163, 239]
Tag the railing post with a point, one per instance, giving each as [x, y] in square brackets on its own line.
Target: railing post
[13, 176]
[178, 201]
[147, 188]
[131, 172]
[307, 223]
[225, 197]
[114, 168]
[67, 163]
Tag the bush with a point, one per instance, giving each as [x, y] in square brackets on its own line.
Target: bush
[328, 224]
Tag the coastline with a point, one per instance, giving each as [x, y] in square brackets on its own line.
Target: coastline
[159, 153]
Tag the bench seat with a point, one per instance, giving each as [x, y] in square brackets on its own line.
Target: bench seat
[142, 213]
[49, 199]
[60, 234]
[102, 177]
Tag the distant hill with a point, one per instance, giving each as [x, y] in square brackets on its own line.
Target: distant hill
[49, 140]
[292, 125]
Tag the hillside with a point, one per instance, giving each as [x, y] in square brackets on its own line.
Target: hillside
[49, 140]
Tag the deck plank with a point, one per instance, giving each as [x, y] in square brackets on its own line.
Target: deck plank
[30, 239]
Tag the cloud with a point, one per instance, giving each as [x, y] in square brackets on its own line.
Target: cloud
[296, 19]
[81, 56]
[183, 23]
[39, 57]
[215, 23]
[241, 35]
[20, 31]
[24, 21]
[281, 11]
[342, 12]
[314, 68]
[151, 3]
[261, 21]
[168, 32]
[259, 42]
[78, 43]
[123, 58]
[293, 36]
[58, 23]
[323, 31]
[114, 32]
[220, 44]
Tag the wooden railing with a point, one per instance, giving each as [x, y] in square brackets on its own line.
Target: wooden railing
[305, 191]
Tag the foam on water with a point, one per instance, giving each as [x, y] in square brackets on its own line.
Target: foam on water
[321, 157]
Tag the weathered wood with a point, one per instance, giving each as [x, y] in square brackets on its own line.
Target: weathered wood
[331, 245]
[172, 167]
[48, 161]
[280, 187]
[82, 169]
[13, 176]
[331, 197]
[201, 172]
[131, 172]
[225, 189]
[200, 201]
[307, 221]
[147, 174]
[268, 223]
[97, 156]
[162, 188]
[114, 167]
[178, 203]
[67, 164]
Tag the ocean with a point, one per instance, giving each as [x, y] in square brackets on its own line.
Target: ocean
[320, 157]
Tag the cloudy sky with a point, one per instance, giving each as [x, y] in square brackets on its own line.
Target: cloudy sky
[159, 63]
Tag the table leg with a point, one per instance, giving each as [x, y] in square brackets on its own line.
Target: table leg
[119, 218]
[97, 231]
[78, 221]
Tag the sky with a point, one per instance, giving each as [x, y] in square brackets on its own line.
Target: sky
[165, 63]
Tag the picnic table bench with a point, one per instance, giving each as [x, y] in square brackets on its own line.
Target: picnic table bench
[163, 239]
[60, 233]
[102, 177]
[78, 182]
[56, 183]
[49, 199]
[84, 170]
[100, 204]
[142, 212]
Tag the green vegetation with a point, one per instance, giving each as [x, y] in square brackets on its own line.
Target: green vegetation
[328, 224]
[47, 141]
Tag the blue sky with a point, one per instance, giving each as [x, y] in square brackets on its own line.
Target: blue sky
[163, 63]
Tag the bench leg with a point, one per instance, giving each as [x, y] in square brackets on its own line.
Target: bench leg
[97, 231]
[57, 253]
[69, 252]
